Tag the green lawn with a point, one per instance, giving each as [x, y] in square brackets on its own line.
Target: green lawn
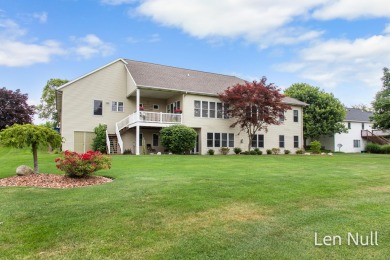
[199, 207]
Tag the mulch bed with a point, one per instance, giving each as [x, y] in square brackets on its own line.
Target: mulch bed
[52, 181]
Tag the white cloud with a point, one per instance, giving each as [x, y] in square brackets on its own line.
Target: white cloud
[334, 63]
[249, 19]
[41, 17]
[14, 52]
[352, 9]
[116, 2]
[387, 29]
[91, 45]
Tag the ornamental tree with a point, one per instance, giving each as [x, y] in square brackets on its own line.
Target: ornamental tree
[178, 139]
[381, 104]
[47, 107]
[324, 114]
[14, 108]
[28, 135]
[254, 106]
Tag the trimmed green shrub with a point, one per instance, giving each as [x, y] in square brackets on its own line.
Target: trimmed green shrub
[299, 151]
[252, 152]
[245, 153]
[224, 150]
[237, 150]
[178, 139]
[99, 143]
[386, 149]
[210, 152]
[377, 148]
[259, 152]
[287, 151]
[373, 148]
[315, 146]
[275, 151]
[269, 151]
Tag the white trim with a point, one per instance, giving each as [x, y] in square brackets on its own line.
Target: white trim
[88, 74]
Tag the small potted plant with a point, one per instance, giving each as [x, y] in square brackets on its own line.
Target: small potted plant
[178, 111]
[141, 108]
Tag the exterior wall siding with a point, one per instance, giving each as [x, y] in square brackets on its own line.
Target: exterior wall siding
[108, 84]
[289, 128]
[347, 139]
[113, 83]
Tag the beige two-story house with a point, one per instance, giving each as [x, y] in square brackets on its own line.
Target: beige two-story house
[137, 99]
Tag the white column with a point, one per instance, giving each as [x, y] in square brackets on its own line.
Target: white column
[138, 99]
[137, 132]
[137, 139]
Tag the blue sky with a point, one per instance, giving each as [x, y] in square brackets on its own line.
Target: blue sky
[340, 46]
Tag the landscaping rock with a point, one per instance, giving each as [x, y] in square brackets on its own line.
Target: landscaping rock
[159, 153]
[24, 170]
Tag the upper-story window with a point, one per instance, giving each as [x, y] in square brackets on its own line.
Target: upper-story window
[295, 115]
[208, 109]
[349, 125]
[362, 126]
[117, 106]
[281, 117]
[98, 107]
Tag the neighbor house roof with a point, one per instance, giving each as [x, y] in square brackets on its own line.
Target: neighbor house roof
[354, 114]
[172, 78]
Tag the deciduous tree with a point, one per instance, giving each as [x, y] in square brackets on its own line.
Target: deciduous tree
[254, 106]
[14, 108]
[381, 104]
[47, 107]
[324, 114]
[28, 135]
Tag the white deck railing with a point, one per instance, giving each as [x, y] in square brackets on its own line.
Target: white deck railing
[150, 117]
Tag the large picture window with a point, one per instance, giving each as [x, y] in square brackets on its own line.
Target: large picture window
[98, 107]
[208, 109]
[220, 140]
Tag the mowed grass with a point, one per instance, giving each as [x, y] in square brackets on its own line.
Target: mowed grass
[200, 207]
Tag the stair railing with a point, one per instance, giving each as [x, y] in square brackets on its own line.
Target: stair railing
[108, 143]
[120, 141]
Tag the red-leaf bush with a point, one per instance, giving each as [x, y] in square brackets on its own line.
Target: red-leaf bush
[82, 165]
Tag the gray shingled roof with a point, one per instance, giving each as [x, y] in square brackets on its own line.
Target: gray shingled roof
[354, 114]
[173, 78]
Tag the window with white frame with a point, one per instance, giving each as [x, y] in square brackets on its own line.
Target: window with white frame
[206, 109]
[196, 108]
[98, 107]
[117, 106]
[258, 141]
[281, 141]
[356, 143]
[296, 141]
[220, 140]
[295, 112]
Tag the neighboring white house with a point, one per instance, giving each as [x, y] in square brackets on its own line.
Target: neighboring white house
[136, 99]
[359, 133]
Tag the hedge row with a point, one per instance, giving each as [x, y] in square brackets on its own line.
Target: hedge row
[377, 148]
